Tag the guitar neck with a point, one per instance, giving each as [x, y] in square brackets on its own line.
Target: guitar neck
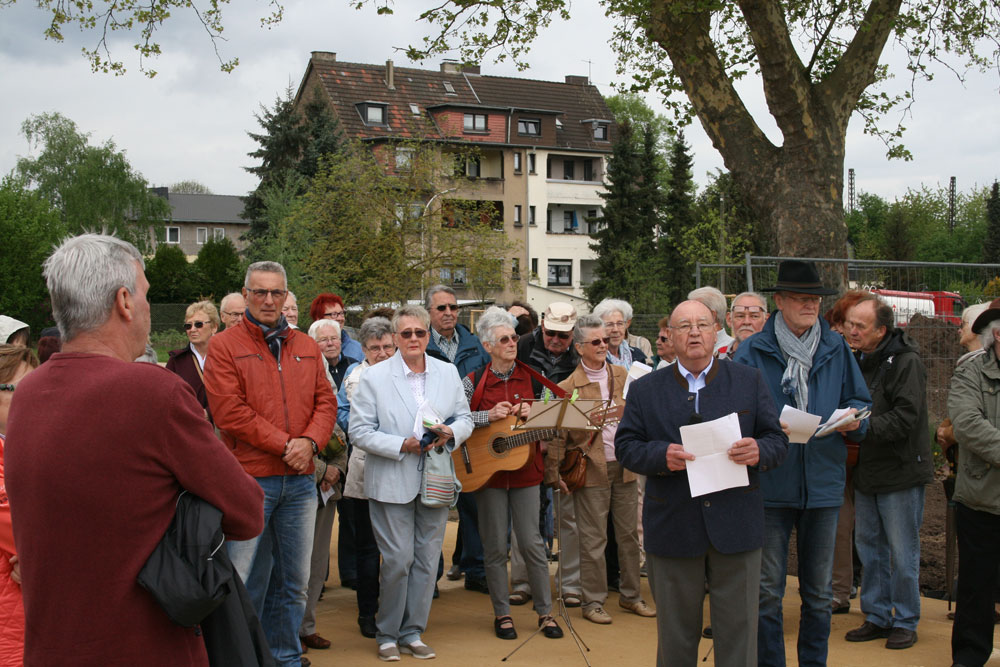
[523, 438]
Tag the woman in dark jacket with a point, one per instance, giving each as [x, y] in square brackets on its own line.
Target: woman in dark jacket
[201, 321]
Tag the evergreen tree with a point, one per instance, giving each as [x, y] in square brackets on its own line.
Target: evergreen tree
[991, 248]
[678, 216]
[218, 268]
[170, 276]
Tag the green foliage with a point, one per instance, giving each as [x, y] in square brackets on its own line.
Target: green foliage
[218, 268]
[678, 210]
[991, 247]
[171, 278]
[93, 188]
[29, 228]
[189, 187]
[723, 229]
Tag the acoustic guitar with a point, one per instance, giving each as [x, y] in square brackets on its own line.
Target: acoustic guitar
[495, 448]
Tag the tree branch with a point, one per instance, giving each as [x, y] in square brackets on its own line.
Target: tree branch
[685, 37]
[856, 69]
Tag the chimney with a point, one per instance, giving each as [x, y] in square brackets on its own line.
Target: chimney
[470, 69]
[324, 56]
[390, 75]
[578, 80]
[451, 67]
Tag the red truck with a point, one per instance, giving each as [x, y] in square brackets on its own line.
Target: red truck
[931, 303]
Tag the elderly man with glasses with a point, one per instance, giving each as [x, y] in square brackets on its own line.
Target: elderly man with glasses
[746, 317]
[231, 309]
[806, 366]
[270, 397]
[327, 306]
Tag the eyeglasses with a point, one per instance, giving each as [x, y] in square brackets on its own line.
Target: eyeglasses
[446, 306]
[615, 325]
[703, 327]
[196, 324]
[597, 342]
[748, 312]
[276, 294]
[232, 313]
[503, 340]
[328, 340]
[333, 314]
[564, 335]
[381, 348]
[410, 333]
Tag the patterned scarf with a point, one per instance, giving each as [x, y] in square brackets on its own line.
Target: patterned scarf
[624, 358]
[798, 352]
[274, 336]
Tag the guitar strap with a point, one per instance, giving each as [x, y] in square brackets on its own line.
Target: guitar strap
[479, 378]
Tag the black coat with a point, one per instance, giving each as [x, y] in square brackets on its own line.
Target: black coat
[896, 452]
[531, 350]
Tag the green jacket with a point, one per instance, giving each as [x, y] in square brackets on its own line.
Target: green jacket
[896, 452]
[974, 408]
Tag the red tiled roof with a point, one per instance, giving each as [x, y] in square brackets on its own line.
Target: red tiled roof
[349, 84]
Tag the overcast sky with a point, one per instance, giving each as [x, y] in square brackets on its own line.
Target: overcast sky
[191, 120]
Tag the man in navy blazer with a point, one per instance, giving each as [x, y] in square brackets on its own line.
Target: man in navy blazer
[715, 537]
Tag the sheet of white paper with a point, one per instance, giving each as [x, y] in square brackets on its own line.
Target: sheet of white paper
[712, 470]
[637, 370]
[802, 424]
[837, 415]
[325, 495]
[424, 412]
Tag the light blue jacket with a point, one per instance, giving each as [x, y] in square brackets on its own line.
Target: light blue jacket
[383, 412]
[813, 474]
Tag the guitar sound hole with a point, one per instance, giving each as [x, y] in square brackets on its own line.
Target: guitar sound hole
[498, 446]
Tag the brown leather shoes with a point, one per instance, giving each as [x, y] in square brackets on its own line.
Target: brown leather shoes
[315, 641]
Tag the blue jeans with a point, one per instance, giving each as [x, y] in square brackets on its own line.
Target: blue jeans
[887, 532]
[275, 565]
[816, 532]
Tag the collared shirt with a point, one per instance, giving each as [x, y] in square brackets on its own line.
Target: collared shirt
[448, 347]
[695, 384]
[417, 381]
[482, 417]
[201, 359]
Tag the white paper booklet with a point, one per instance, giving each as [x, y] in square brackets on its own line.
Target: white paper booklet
[712, 470]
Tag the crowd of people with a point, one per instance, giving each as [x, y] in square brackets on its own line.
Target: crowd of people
[279, 431]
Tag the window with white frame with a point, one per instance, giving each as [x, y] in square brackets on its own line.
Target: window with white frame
[201, 235]
[474, 122]
[404, 158]
[219, 233]
[529, 127]
[560, 272]
[517, 162]
[173, 235]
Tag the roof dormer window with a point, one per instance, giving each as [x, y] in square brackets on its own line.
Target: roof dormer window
[373, 113]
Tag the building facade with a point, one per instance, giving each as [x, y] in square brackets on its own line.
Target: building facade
[195, 218]
[541, 149]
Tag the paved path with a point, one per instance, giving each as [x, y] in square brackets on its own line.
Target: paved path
[461, 632]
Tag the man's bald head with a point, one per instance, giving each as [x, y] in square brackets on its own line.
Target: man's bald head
[692, 330]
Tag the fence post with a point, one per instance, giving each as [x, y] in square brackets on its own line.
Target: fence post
[697, 275]
[749, 273]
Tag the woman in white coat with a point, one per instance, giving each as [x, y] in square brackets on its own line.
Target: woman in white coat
[382, 423]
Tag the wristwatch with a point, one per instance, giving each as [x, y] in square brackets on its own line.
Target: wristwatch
[315, 446]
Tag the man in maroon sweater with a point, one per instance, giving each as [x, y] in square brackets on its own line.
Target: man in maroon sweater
[98, 450]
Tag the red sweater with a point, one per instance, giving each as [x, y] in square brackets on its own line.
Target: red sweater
[497, 391]
[11, 602]
[97, 452]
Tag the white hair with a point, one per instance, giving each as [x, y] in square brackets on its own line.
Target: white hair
[84, 275]
[970, 314]
[491, 319]
[586, 323]
[713, 298]
[609, 306]
[229, 297]
[986, 335]
[411, 310]
[753, 295]
[319, 324]
[265, 267]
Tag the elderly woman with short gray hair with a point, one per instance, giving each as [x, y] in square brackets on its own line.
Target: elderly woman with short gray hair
[616, 316]
[510, 499]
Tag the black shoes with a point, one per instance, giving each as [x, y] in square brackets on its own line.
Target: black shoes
[504, 627]
[367, 625]
[478, 585]
[549, 627]
[867, 632]
[901, 638]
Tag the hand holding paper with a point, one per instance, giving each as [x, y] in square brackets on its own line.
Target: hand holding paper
[712, 469]
[801, 425]
[677, 458]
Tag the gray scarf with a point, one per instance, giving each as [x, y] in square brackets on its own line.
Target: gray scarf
[798, 352]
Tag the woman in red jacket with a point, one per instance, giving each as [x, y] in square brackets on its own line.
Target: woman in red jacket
[15, 362]
[502, 388]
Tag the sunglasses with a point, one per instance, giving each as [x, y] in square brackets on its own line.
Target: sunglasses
[663, 339]
[196, 324]
[446, 306]
[410, 333]
[503, 340]
[597, 341]
[564, 335]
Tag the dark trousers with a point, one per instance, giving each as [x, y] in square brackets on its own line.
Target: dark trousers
[346, 559]
[472, 546]
[367, 558]
[978, 559]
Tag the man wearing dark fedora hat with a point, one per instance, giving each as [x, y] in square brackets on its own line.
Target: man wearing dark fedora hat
[974, 409]
[809, 367]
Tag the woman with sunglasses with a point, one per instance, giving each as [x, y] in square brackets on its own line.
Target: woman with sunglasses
[384, 423]
[504, 387]
[608, 488]
[201, 322]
